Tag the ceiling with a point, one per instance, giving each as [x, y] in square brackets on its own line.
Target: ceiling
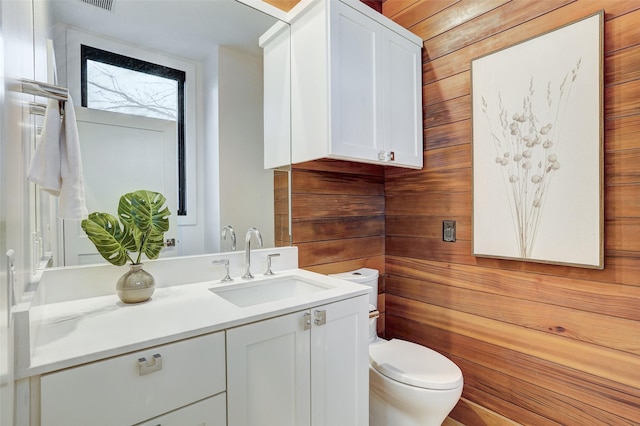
[186, 28]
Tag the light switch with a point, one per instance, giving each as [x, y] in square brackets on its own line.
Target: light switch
[449, 230]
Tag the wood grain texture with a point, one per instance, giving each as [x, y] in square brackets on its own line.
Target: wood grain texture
[460, 60]
[494, 20]
[538, 344]
[281, 208]
[285, 5]
[408, 13]
[338, 215]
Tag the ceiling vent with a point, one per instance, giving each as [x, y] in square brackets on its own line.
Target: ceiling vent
[102, 4]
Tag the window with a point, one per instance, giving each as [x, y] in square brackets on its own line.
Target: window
[118, 83]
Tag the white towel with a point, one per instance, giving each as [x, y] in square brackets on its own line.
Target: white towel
[57, 164]
[45, 164]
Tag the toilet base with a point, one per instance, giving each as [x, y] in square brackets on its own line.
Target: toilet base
[392, 403]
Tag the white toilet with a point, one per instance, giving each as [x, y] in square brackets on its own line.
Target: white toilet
[409, 384]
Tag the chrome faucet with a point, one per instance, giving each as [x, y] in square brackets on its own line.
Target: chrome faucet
[231, 232]
[247, 250]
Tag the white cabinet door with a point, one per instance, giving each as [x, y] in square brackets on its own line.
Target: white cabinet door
[356, 113]
[402, 83]
[310, 133]
[277, 96]
[280, 374]
[209, 412]
[268, 373]
[356, 86]
[340, 363]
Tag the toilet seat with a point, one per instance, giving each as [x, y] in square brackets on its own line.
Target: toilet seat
[414, 365]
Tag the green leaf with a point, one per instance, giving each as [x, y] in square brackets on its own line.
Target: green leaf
[111, 241]
[154, 243]
[144, 218]
[145, 213]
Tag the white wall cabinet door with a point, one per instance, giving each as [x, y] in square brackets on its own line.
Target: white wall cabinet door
[402, 99]
[277, 96]
[268, 369]
[305, 368]
[356, 104]
[356, 91]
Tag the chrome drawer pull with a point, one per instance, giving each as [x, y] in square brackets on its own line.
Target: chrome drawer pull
[321, 317]
[307, 321]
[146, 367]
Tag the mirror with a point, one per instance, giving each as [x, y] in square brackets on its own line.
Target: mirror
[216, 44]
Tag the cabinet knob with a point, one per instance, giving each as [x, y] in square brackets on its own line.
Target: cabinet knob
[149, 366]
[386, 156]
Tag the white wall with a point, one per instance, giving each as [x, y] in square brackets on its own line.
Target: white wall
[16, 62]
[211, 155]
[238, 191]
[246, 191]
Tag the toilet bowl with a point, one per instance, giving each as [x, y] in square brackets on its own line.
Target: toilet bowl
[409, 384]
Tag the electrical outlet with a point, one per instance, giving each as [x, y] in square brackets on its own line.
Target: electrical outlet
[449, 230]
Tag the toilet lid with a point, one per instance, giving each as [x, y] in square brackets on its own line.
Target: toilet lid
[414, 365]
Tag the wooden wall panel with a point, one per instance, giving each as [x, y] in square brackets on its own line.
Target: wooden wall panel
[338, 215]
[538, 344]
[285, 5]
[493, 17]
[281, 208]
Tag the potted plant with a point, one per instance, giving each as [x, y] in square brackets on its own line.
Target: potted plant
[139, 228]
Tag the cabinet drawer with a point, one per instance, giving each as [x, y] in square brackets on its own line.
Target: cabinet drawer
[210, 412]
[127, 389]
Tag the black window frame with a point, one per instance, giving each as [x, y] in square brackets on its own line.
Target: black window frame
[134, 64]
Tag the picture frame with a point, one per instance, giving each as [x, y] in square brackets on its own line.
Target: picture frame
[537, 148]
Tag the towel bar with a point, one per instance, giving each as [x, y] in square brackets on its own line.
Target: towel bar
[36, 108]
[44, 89]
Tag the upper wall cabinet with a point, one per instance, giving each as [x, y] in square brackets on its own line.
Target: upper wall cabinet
[277, 95]
[355, 86]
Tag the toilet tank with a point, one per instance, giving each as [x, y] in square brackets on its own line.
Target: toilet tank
[364, 276]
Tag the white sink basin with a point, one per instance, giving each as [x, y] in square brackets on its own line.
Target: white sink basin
[257, 292]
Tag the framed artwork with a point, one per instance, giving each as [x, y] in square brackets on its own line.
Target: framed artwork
[538, 148]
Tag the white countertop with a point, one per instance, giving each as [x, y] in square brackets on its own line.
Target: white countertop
[75, 332]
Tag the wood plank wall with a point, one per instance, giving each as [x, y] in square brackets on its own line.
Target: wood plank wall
[281, 208]
[538, 344]
[338, 215]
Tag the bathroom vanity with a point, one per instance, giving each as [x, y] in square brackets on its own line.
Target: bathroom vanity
[283, 349]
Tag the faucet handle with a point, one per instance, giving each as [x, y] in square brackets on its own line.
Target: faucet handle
[224, 262]
[232, 232]
[269, 256]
